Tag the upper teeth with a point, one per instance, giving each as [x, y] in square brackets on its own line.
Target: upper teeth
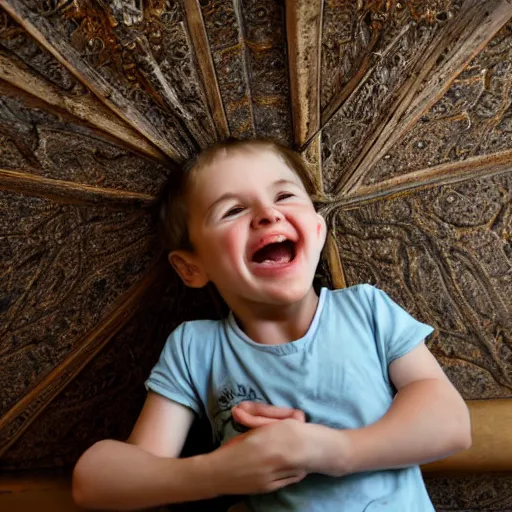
[280, 238]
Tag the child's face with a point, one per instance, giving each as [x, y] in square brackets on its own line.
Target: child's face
[255, 231]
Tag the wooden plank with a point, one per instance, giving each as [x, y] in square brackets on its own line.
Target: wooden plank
[224, 30]
[204, 58]
[491, 422]
[68, 192]
[44, 491]
[304, 28]
[312, 155]
[334, 262]
[451, 173]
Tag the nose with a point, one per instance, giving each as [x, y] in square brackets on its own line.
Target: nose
[266, 216]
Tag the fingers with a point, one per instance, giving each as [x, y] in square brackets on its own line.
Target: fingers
[271, 411]
[267, 410]
[249, 420]
[299, 415]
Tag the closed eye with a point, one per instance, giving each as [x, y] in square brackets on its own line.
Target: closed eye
[233, 211]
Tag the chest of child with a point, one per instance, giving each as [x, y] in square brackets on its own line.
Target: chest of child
[337, 379]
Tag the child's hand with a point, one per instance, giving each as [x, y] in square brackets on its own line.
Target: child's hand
[257, 414]
[264, 459]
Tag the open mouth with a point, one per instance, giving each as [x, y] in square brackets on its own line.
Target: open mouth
[277, 253]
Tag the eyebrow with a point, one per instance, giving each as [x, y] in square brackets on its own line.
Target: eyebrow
[223, 197]
[285, 182]
[231, 195]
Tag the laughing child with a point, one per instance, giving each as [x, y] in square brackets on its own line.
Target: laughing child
[350, 362]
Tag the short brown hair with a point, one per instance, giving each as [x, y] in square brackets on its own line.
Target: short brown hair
[173, 214]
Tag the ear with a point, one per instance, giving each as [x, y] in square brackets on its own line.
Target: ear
[189, 268]
[322, 228]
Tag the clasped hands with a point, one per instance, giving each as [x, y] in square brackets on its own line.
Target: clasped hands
[279, 450]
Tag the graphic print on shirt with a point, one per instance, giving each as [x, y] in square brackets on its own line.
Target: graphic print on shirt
[224, 426]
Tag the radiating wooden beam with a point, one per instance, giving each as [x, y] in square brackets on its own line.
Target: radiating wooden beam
[201, 47]
[68, 192]
[75, 125]
[14, 423]
[46, 35]
[334, 262]
[228, 50]
[472, 168]
[491, 425]
[86, 108]
[304, 31]
[312, 154]
[469, 32]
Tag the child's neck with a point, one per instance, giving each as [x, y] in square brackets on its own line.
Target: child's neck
[271, 325]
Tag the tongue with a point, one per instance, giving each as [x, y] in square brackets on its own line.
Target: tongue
[275, 253]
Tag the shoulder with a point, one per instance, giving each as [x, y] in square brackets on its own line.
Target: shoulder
[194, 336]
[196, 328]
[364, 294]
[354, 304]
[359, 294]
[364, 302]
[355, 290]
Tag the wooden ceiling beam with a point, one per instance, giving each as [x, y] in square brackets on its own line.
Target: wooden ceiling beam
[492, 442]
[68, 192]
[203, 54]
[451, 173]
[304, 32]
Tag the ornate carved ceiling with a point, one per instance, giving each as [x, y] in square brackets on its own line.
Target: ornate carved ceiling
[402, 108]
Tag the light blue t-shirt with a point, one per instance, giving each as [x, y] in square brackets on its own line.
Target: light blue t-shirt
[337, 374]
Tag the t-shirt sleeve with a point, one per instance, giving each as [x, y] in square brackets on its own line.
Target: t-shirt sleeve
[396, 331]
[171, 376]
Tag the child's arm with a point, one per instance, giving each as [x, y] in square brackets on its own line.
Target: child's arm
[146, 472]
[427, 420]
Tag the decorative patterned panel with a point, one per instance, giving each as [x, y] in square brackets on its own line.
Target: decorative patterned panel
[355, 34]
[104, 400]
[26, 65]
[264, 31]
[47, 145]
[61, 269]
[224, 29]
[124, 53]
[444, 254]
[474, 118]
[14, 39]
[378, 45]
[471, 493]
